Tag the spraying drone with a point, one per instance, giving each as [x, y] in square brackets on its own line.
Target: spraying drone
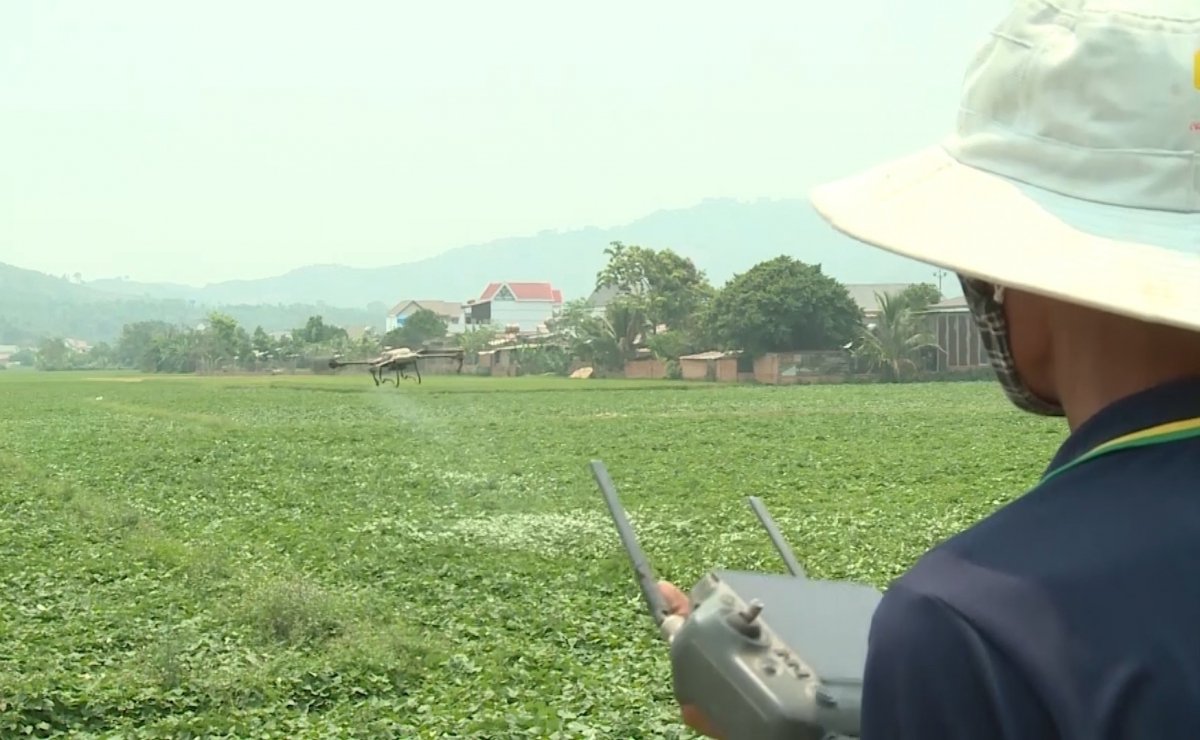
[399, 360]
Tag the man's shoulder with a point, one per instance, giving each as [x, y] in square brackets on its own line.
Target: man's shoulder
[1050, 595]
[931, 674]
[1074, 528]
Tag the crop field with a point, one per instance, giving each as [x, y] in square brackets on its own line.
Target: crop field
[315, 557]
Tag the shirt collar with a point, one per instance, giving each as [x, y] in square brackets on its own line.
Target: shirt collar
[1172, 401]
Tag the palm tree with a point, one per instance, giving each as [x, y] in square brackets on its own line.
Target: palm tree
[625, 321]
[605, 341]
[893, 343]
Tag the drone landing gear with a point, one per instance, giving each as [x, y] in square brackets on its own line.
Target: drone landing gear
[400, 374]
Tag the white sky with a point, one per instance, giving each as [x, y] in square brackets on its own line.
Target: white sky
[202, 141]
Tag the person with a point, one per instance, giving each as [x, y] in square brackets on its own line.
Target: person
[1068, 202]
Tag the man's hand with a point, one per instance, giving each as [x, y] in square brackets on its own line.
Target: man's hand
[677, 602]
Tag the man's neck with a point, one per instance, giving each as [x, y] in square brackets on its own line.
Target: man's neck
[1086, 390]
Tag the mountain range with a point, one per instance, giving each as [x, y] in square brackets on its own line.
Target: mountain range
[722, 236]
[34, 305]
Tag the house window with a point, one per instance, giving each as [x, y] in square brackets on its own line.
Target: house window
[504, 294]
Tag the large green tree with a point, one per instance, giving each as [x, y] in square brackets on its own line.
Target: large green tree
[225, 343]
[919, 296]
[667, 288]
[783, 305]
[315, 331]
[53, 354]
[421, 327]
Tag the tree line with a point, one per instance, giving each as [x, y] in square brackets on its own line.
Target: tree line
[662, 304]
[666, 304]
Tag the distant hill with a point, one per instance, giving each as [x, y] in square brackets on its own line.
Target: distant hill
[34, 305]
[722, 236]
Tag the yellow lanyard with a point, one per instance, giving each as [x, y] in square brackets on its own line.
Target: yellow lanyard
[1154, 435]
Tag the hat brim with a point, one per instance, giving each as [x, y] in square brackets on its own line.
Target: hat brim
[932, 208]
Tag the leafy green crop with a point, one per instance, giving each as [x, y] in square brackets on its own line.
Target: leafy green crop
[318, 558]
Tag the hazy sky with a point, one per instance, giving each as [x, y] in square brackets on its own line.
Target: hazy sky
[201, 141]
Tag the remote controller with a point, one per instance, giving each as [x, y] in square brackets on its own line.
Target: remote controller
[764, 656]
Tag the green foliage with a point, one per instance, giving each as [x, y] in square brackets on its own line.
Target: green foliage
[261, 342]
[895, 340]
[52, 354]
[221, 344]
[919, 296]
[474, 340]
[663, 286]
[607, 341]
[784, 305]
[316, 331]
[422, 327]
[315, 558]
[673, 344]
[545, 360]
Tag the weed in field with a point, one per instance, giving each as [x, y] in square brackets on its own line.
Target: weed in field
[294, 612]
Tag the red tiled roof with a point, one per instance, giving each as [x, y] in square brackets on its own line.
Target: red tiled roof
[524, 292]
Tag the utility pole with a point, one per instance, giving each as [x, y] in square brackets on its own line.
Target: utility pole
[939, 275]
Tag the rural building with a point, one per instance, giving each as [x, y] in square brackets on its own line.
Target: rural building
[645, 367]
[597, 302]
[715, 365]
[525, 305]
[7, 351]
[783, 368]
[959, 344]
[866, 295]
[451, 312]
[504, 360]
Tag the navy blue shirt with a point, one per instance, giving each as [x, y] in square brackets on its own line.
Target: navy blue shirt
[1071, 613]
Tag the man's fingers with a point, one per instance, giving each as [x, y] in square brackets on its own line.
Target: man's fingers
[695, 719]
[677, 601]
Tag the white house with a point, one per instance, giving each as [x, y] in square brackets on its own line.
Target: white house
[450, 311]
[597, 302]
[525, 305]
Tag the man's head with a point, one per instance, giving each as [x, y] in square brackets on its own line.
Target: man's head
[1055, 357]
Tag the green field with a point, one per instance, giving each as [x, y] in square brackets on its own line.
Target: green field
[305, 557]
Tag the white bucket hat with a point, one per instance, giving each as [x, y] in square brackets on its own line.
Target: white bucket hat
[1074, 171]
